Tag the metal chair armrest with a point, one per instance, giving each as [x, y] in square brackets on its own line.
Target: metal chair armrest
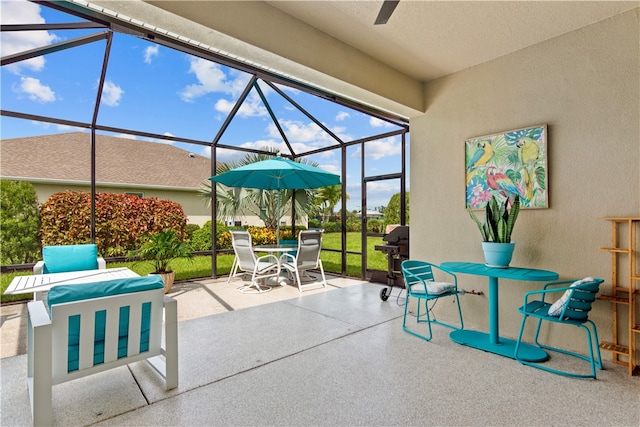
[455, 278]
[413, 279]
[562, 282]
[544, 291]
[287, 255]
[271, 257]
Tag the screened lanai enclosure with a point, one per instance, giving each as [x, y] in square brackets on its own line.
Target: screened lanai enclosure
[93, 100]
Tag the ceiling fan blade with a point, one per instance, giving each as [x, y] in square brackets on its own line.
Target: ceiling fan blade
[388, 6]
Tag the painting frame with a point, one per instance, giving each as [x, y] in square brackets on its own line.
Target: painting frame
[505, 164]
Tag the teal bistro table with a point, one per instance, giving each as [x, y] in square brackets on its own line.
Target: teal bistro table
[492, 341]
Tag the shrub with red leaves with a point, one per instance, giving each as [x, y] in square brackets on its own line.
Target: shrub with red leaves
[121, 220]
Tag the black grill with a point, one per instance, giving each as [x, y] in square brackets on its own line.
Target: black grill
[396, 248]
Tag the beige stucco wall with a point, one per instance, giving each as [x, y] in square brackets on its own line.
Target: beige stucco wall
[585, 86]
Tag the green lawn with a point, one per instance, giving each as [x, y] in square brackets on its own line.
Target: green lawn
[200, 266]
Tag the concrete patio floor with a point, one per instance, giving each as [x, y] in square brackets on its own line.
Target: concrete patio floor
[334, 356]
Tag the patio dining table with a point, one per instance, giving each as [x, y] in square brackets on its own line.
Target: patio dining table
[277, 250]
[492, 341]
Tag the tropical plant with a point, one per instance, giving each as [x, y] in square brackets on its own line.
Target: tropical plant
[201, 238]
[499, 220]
[19, 222]
[161, 248]
[328, 197]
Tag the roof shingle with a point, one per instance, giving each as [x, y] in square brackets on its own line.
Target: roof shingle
[67, 157]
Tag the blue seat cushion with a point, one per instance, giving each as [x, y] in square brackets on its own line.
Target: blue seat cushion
[60, 259]
[292, 252]
[288, 242]
[69, 293]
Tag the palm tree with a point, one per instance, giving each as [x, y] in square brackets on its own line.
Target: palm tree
[328, 198]
[235, 201]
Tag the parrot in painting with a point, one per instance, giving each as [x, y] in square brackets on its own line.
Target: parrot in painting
[528, 151]
[482, 155]
[502, 183]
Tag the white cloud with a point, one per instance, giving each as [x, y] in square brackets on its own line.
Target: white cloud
[111, 94]
[251, 107]
[206, 151]
[377, 123]
[67, 128]
[266, 144]
[23, 12]
[149, 53]
[126, 136]
[289, 89]
[298, 131]
[342, 115]
[164, 141]
[35, 90]
[381, 148]
[211, 78]
[331, 168]
[308, 133]
[57, 127]
[224, 155]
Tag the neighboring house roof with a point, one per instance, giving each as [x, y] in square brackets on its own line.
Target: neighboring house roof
[66, 157]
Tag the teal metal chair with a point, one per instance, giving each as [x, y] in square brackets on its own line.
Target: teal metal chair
[420, 283]
[571, 309]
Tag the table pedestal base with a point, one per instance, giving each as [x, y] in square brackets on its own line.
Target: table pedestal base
[505, 347]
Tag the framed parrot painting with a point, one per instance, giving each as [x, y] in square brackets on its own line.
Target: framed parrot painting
[506, 164]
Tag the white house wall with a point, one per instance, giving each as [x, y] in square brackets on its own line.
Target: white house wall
[585, 86]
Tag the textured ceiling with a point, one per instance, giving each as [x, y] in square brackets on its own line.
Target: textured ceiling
[429, 39]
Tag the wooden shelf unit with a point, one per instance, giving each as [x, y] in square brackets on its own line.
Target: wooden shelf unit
[625, 289]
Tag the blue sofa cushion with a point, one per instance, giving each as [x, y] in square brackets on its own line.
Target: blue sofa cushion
[69, 293]
[59, 259]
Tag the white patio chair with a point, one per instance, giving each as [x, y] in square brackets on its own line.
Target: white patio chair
[246, 262]
[306, 258]
[65, 258]
[95, 327]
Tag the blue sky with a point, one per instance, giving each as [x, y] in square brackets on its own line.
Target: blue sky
[155, 89]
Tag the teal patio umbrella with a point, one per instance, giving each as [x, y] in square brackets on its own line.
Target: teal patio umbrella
[277, 174]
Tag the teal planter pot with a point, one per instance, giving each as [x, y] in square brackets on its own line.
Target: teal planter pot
[498, 254]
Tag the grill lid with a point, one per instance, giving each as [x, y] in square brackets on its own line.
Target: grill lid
[399, 234]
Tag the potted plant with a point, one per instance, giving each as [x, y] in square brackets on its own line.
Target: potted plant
[162, 248]
[496, 231]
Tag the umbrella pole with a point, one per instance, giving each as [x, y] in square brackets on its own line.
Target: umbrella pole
[278, 219]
